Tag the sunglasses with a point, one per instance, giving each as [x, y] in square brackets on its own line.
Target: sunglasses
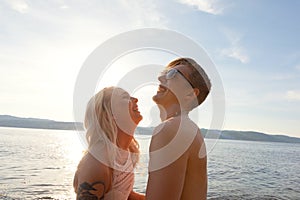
[169, 74]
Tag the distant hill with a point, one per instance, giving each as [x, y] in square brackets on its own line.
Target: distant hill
[235, 135]
[11, 121]
[248, 135]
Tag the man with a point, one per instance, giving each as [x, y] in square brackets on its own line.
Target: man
[178, 163]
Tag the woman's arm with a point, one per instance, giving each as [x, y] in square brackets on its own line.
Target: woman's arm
[75, 182]
[92, 180]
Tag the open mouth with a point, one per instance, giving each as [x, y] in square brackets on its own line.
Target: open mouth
[135, 109]
[161, 89]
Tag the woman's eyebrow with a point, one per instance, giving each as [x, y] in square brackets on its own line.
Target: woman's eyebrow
[125, 94]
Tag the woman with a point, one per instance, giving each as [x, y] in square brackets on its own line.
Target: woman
[106, 169]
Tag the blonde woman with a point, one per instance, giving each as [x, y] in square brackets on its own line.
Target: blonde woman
[106, 169]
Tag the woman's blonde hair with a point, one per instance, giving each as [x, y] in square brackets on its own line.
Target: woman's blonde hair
[101, 129]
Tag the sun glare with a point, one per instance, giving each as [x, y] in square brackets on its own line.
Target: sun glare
[74, 149]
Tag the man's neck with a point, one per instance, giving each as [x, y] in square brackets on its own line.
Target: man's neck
[171, 111]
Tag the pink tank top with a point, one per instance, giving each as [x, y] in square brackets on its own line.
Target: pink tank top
[122, 180]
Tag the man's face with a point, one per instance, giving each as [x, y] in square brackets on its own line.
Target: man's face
[173, 86]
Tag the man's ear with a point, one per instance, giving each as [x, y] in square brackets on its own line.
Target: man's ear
[193, 93]
[191, 97]
[196, 91]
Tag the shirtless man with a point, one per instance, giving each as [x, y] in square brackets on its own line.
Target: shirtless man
[178, 162]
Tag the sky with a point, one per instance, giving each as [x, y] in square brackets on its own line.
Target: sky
[253, 44]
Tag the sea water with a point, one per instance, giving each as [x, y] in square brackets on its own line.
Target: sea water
[40, 164]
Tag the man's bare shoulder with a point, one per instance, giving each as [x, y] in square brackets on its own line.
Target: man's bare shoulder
[164, 133]
[178, 129]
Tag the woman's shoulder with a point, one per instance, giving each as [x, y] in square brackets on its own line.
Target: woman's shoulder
[91, 170]
[91, 164]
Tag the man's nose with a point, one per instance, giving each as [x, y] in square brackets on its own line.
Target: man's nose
[162, 78]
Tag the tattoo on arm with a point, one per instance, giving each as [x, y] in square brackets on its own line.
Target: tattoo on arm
[91, 191]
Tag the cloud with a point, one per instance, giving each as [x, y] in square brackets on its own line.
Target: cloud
[237, 53]
[293, 95]
[235, 50]
[64, 6]
[143, 13]
[208, 6]
[20, 6]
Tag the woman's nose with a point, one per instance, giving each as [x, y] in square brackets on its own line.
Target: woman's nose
[134, 99]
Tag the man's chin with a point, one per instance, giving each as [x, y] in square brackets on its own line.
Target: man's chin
[157, 97]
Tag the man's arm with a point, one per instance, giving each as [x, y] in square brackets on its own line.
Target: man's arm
[166, 182]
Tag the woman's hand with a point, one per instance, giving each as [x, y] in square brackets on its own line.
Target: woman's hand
[136, 196]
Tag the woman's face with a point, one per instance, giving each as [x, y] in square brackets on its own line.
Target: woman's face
[125, 110]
